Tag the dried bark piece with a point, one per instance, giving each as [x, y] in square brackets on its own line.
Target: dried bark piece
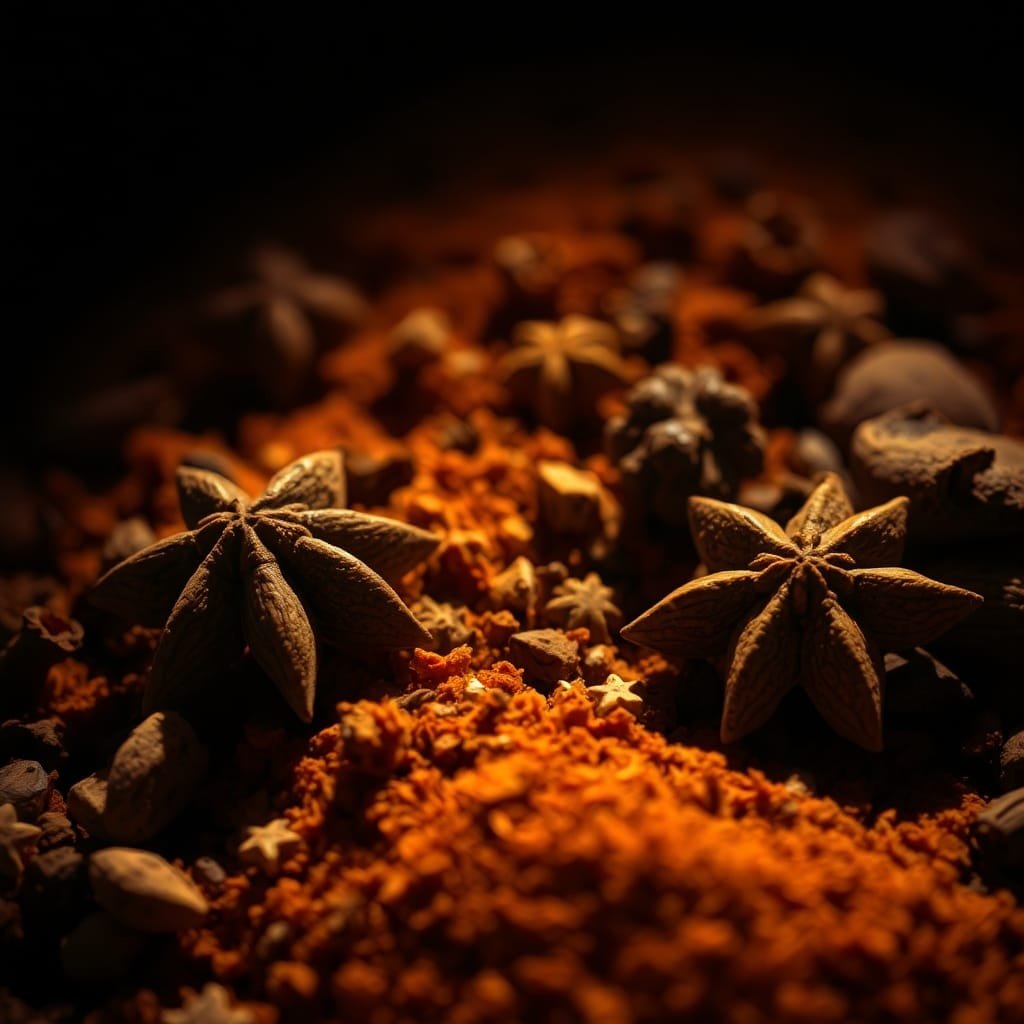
[249, 568]
[545, 655]
[561, 370]
[686, 432]
[516, 588]
[25, 785]
[571, 499]
[795, 607]
[585, 603]
[891, 374]
[142, 890]
[962, 483]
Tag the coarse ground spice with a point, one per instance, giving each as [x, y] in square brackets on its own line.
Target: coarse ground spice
[511, 858]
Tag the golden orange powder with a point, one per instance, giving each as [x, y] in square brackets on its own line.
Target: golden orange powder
[509, 858]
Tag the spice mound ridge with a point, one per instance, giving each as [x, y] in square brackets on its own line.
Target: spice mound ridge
[494, 856]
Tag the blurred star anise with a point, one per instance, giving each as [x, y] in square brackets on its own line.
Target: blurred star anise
[819, 329]
[686, 432]
[807, 605]
[273, 573]
[562, 369]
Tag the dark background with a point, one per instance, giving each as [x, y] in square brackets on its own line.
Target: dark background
[137, 139]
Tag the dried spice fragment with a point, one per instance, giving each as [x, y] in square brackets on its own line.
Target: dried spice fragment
[101, 949]
[239, 571]
[560, 370]
[141, 890]
[1000, 829]
[892, 374]
[778, 247]
[813, 604]
[643, 311]
[616, 692]
[585, 603]
[15, 835]
[128, 537]
[266, 846]
[962, 483]
[444, 622]
[1011, 762]
[686, 432]
[818, 330]
[545, 656]
[211, 1006]
[419, 338]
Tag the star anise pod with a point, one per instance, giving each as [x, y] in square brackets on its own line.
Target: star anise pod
[274, 573]
[282, 306]
[562, 369]
[811, 604]
[586, 602]
[819, 329]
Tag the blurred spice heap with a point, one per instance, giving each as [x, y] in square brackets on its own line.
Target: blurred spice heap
[372, 747]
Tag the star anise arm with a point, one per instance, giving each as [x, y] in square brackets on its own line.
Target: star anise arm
[349, 600]
[796, 314]
[519, 364]
[698, 618]
[841, 671]
[730, 536]
[764, 663]
[290, 332]
[316, 481]
[202, 493]
[144, 587]
[899, 608]
[203, 633]
[329, 296]
[277, 628]
[389, 547]
[826, 506]
[872, 537]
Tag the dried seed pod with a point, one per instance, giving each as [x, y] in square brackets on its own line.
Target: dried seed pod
[686, 432]
[961, 483]
[87, 800]
[26, 785]
[420, 338]
[890, 374]
[143, 891]
[152, 778]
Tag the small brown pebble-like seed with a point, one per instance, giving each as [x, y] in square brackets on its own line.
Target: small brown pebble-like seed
[144, 891]
[26, 785]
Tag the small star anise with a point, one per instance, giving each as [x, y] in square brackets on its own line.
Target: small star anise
[262, 573]
[587, 602]
[810, 604]
[562, 369]
[819, 329]
[444, 622]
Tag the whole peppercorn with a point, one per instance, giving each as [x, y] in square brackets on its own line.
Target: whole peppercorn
[686, 432]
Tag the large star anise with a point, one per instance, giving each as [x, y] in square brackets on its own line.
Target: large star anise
[265, 573]
[561, 369]
[808, 604]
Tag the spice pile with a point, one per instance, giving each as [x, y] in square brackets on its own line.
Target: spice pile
[626, 628]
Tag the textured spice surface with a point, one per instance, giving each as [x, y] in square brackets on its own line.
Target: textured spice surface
[511, 859]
